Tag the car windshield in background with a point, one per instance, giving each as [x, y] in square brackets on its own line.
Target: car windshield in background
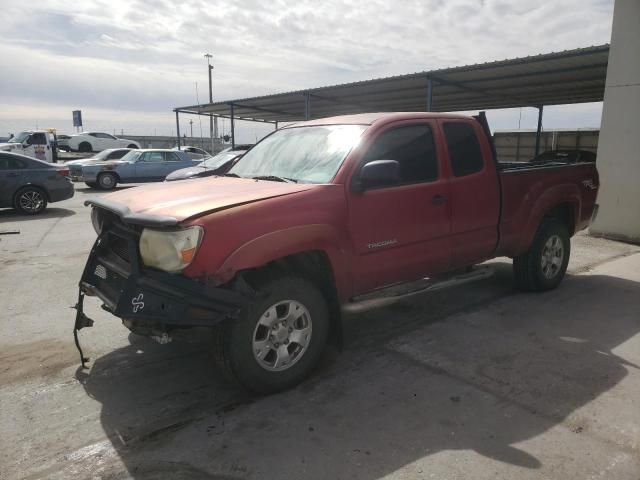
[303, 154]
[132, 156]
[19, 138]
[218, 160]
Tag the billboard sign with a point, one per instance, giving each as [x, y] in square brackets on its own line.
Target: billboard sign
[77, 118]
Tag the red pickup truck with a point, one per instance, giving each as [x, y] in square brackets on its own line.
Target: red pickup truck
[341, 213]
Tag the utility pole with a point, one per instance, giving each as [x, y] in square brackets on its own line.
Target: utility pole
[191, 125]
[213, 123]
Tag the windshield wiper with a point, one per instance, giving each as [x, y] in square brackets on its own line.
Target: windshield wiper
[235, 175]
[275, 178]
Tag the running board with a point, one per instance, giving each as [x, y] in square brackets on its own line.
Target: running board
[389, 295]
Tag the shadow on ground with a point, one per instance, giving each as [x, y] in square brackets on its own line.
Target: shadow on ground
[484, 381]
[86, 189]
[10, 214]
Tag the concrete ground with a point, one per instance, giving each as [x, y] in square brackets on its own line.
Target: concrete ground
[474, 382]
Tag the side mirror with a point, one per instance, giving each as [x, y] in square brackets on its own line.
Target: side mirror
[377, 174]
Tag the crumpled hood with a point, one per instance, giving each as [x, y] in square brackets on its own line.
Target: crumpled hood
[197, 197]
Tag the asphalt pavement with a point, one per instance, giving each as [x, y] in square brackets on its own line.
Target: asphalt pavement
[477, 382]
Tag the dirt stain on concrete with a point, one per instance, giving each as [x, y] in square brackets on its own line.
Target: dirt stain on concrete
[41, 358]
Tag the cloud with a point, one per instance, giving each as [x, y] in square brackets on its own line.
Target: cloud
[146, 55]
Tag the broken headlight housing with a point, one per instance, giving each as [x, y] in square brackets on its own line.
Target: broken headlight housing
[96, 220]
[170, 250]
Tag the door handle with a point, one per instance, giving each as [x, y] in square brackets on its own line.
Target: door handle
[439, 200]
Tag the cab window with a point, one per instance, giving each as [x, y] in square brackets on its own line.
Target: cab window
[38, 138]
[153, 157]
[464, 150]
[412, 147]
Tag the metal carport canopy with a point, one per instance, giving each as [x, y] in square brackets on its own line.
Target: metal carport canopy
[570, 76]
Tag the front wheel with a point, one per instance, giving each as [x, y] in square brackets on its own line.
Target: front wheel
[278, 339]
[107, 181]
[544, 265]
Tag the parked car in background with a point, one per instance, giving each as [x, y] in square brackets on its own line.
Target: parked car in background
[149, 165]
[28, 184]
[95, 142]
[216, 165]
[195, 152]
[104, 155]
[565, 156]
[63, 142]
[40, 144]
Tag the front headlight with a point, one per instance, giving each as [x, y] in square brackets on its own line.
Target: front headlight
[96, 219]
[170, 250]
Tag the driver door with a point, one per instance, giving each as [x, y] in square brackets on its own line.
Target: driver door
[401, 229]
[151, 167]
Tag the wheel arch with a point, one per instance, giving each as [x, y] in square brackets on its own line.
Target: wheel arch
[562, 202]
[311, 251]
[32, 185]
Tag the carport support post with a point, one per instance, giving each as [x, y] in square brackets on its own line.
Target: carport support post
[178, 128]
[429, 95]
[233, 128]
[275, 124]
[538, 130]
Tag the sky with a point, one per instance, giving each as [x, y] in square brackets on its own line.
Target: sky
[127, 63]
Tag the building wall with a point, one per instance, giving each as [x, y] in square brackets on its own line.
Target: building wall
[619, 146]
[520, 145]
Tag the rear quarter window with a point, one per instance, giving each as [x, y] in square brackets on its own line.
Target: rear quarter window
[464, 150]
[7, 162]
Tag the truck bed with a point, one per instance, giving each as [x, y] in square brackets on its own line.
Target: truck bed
[528, 189]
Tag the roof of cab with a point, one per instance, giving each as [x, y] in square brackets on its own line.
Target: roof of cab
[376, 117]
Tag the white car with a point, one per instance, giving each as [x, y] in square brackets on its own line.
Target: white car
[95, 142]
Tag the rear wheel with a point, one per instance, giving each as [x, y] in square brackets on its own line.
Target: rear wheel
[278, 339]
[85, 147]
[544, 265]
[30, 201]
[107, 181]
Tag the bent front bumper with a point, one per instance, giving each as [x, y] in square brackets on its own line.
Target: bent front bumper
[147, 300]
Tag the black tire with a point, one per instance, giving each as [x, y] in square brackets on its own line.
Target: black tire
[91, 184]
[541, 268]
[234, 340]
[85, 147]
[30, 200]
[133, 146]
[107, 181]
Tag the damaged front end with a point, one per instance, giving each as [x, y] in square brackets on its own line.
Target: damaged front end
[148, 301]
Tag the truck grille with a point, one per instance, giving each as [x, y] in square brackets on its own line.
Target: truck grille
[117, 236]
[119, 246]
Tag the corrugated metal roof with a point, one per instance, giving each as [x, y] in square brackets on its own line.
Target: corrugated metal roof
[570, 76]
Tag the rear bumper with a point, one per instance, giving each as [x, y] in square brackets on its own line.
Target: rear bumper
[149, 300]
[63, 193]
